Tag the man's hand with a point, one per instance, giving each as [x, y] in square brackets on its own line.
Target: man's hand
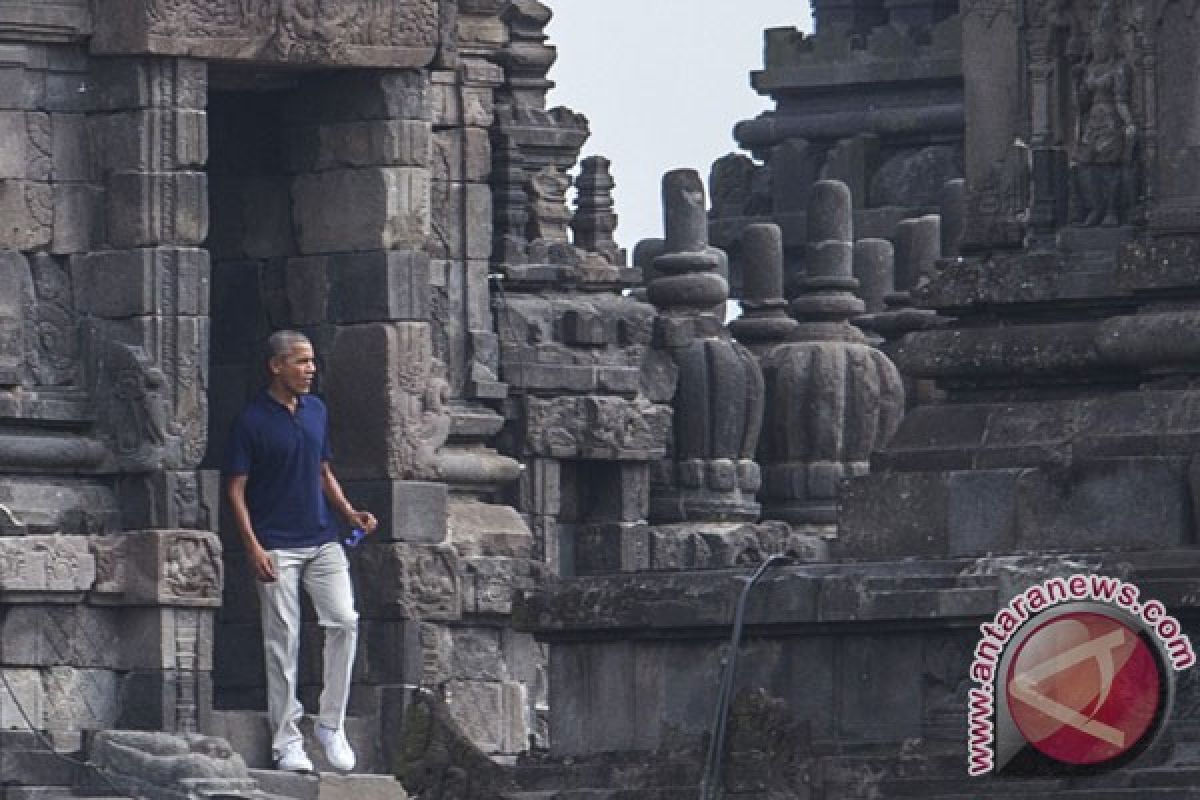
[262, 565]
[363, 519]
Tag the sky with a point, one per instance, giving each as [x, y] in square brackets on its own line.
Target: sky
[662, 83]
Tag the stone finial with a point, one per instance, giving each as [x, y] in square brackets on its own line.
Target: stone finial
[874, 260]
[918, 242]
[764, 321]
[762, 249]
[830, 398]
[826, 291]
[594, 220]
[688, 273]
[685, 218]
[528, 58]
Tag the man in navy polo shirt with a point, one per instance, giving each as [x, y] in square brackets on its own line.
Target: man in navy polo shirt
[280, 489]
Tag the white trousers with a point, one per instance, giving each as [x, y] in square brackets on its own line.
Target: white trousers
[325, 575]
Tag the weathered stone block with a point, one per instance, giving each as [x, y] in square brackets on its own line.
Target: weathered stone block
[27, 209]
[488, 583]
[133, 83]
[158, 567]
[47, 565]
[375, 143]
[462, 154]
[606, 549]
[1123, 504]
[389, 651]
[410, 581]
[408, 511]
[460, 106]
[69, 92]
[585, 329]
[80, 699]
[169, 499]
[21, 88]
[152, 208]
[24, 694]
[46, 635]
[351, 96]
[461, 221]
[493, 715]
[361, 209]
[15, 155]
[379, 286]
[893, 515]
[374, 412]
[164, 700]
[115, 284]
[69, 142]
[78, 217]
[154, 140]
[873, 670]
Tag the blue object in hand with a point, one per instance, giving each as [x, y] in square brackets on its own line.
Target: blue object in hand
[356, 536]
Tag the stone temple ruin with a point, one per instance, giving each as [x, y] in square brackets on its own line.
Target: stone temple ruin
[966, 242]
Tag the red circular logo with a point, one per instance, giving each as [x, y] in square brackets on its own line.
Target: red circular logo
[1084, 688]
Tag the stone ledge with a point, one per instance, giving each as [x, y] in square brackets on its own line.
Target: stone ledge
[831, 596]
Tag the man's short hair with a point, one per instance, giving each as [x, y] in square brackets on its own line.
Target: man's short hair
[280, 343]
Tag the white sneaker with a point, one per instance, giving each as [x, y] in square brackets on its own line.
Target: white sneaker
[337, 749]
[294, 759]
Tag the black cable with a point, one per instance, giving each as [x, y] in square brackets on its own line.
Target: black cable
[710, 782]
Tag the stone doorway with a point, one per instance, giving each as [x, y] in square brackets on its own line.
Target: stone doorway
[318, 188]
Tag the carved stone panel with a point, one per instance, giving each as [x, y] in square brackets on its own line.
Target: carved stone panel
[40, 565]
[596, 428]
[402, 33]
[168, 568]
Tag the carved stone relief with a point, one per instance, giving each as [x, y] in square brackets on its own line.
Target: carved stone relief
[596, 427]
[132, 406]
[346, 32]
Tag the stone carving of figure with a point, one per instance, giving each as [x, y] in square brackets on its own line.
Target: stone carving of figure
[1106, 130]
[548, 214]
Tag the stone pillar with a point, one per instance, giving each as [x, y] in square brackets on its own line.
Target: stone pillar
[874, 261]
[711, 474]
[831, 399]
[918, 244]
[145, 288]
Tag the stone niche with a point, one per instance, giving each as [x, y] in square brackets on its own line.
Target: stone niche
[344, 33]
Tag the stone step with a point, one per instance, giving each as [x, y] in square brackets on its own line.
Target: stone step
[620, 775]
[1166, 777]
[38, 767]
[249, 735]
[51, 793]
[329, 785]
[648, 793]
[1083, 793]
[936, 787]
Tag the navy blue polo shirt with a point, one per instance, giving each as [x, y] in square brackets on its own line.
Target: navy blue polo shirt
[281, 455]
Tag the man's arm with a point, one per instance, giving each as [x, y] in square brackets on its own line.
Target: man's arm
[258, 558]
[333, 493]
